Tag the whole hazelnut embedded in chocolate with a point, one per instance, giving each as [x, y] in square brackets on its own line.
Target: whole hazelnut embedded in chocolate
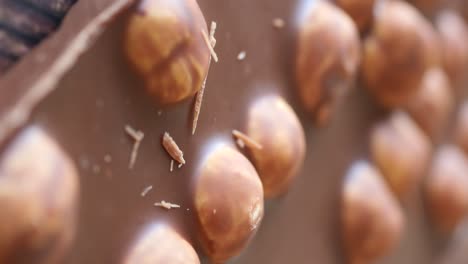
[38, 197]
[446, 191]
[327, 58]
[398, 52]
[453, 33]
[361, 11]
[401, 151]
[372, 221]
[229, 203]
[274, 125]
[431, 106]
[160, 243]
[164, 42]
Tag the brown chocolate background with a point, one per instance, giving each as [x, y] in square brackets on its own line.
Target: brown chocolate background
[99, 95]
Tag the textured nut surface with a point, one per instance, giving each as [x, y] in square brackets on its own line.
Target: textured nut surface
[228, 202]
[461, 127]
[361, 11]
[431, 106]
[401, 151]
[397, 53]
[372, 221]
[274, 124]
[453, 33]
[446, 188]
[327, 58]
[164, 43]
[38, 197]
[160, 243]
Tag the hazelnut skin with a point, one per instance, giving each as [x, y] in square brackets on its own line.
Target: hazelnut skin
[453, 33]
[371, 227]
[228, 202]
[160, 243]
[164, 43]
[274, 125]
[446, 192]
[401, 151]
[361, 11]
[430, 108]
[400, 49]
[38, 197]
[461, 127]
[325, 69]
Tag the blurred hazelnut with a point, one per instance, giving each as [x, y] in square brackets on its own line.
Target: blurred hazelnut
[274, 125]
[453, 33]
[361, 11]
[401, 151]
[400, 49]
[38, 197]
[325, 69]
[372, 221]
[461, 127]
[446, 188]
[164, 42]
[229, 203]
[160, 243]
[431, 106]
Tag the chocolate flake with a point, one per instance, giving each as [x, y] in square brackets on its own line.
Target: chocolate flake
[247, 141]
[199, 97]
[171, 168]
[172, 148]
[241, 56]
[146, 190]
[137, 136]
[208, 42]
[278, 23]
[166, 205]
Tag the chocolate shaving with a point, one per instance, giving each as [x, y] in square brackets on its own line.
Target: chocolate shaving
[247, 141]
[166, 205]
[241, 56]
[171, 168]
[240, 143]
[146, 190]
[278, 23]
[137, 136]
[209, 44]
[199, 97]
[172, 148]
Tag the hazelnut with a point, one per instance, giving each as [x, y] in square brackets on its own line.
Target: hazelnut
[401, 151]
[453, 33]
[38, 197]
[446, 192]
[400, 49]
[361, 11]
[274, 125]
[431, 106]
[325, 69]
[372, 222]
[164, 42]
[461, 127]
[229, 203]
[160, 243]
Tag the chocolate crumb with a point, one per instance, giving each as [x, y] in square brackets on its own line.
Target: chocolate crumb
[166, 205]
[137, 136]
[241, 56]
[172, 148]
[180, 165]
[278, 23]
[199, 96]
[146, 190]
[247, 141]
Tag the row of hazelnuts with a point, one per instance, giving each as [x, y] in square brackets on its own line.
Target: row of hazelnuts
[410, 65]
[402, 60]
[165, 45]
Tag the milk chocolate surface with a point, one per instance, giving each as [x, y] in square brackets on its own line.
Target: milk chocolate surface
[85, 101]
